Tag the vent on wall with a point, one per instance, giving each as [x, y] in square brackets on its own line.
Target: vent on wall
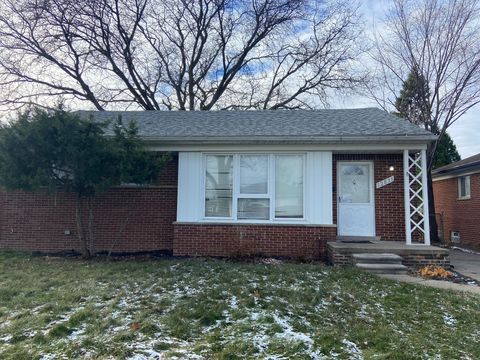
[455, 236]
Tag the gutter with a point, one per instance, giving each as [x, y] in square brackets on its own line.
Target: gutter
[457, 171]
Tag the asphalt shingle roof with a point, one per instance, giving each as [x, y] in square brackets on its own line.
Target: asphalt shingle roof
[458, 166]
[266, 124]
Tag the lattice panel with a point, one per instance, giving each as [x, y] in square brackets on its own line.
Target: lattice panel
[416, 196]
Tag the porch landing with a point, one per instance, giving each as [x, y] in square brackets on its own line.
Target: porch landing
[415, 255]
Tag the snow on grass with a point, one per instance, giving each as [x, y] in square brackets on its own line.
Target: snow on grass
[290, 334]
[215, 309]
[449, 320]
[352, 349]
[7, 338]
[76, 334]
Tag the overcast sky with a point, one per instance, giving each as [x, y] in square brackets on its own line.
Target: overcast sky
[465, 132]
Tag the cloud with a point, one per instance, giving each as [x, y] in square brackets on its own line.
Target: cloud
[466, 133]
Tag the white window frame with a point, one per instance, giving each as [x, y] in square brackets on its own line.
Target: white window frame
[467, 188]
[270, 188]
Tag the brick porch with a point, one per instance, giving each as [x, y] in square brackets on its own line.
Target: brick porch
[414, 255]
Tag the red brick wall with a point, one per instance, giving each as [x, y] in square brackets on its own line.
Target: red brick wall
[459, 215]
[291, 241]
[38, 221]
[389, 200]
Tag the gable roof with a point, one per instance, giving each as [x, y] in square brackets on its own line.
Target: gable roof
[471, 163]
[336, 125]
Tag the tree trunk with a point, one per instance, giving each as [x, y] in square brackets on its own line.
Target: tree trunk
[433, 219]
[81, 228]
[91, 239]
[431, 199]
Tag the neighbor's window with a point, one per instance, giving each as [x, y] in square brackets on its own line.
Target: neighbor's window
[289, 186]
[219, 186]
[254, 187]
[464, 187]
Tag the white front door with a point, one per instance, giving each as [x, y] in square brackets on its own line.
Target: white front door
[356, 209]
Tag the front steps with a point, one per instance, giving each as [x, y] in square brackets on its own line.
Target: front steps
[379, 263]
[357, 239]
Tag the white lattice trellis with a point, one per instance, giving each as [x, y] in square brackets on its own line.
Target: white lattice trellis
[416, 195]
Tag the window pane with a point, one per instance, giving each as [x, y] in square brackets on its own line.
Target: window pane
[289, 186]
[218, 186]
[464, 186]
[258, 209]
[253, 174]
[461, 187]
[355, 184]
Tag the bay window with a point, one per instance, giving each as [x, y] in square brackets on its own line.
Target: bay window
[254, 186]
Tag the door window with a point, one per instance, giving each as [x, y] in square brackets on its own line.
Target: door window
[354, 184]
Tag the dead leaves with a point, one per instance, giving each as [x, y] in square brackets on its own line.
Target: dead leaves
[135, 326]
[432, 271]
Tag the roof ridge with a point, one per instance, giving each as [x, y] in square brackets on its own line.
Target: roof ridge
[232, 111]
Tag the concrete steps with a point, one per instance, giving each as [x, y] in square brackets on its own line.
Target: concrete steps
[379, 263]
[357, 239]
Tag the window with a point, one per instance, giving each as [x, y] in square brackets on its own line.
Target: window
[219, 186]
[253, 201]
[254, 186]
[355, 184]
[253, 174]
[253, 209]
[289, 186]
[464, 187]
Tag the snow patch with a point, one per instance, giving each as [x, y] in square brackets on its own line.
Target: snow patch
[6, 338]
[353, 350]
[290, 334]
[449, 320]
[77, 333]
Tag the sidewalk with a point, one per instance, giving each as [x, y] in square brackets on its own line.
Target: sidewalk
[466, 263]
[434, 283]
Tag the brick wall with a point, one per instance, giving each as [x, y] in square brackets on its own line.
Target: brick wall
[134, 220]
[389, 200]
[126, 219]
[291, 241]
[459, 215]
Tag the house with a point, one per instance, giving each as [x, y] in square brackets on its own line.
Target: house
[276, 183]
[457, 201]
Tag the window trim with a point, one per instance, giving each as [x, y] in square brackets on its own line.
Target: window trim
[467, 189]
[270, 188]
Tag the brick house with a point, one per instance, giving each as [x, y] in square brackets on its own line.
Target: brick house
[277, 183]
[457, 201]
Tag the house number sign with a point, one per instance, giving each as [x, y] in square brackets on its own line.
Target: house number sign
[384, 182]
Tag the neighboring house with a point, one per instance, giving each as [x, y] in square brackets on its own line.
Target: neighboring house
[457, 201]
[276, 183]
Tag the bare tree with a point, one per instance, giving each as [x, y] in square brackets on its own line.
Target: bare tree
[439, 40]
[177, 54]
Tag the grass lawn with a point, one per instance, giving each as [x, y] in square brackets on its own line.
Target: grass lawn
[63, 309]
